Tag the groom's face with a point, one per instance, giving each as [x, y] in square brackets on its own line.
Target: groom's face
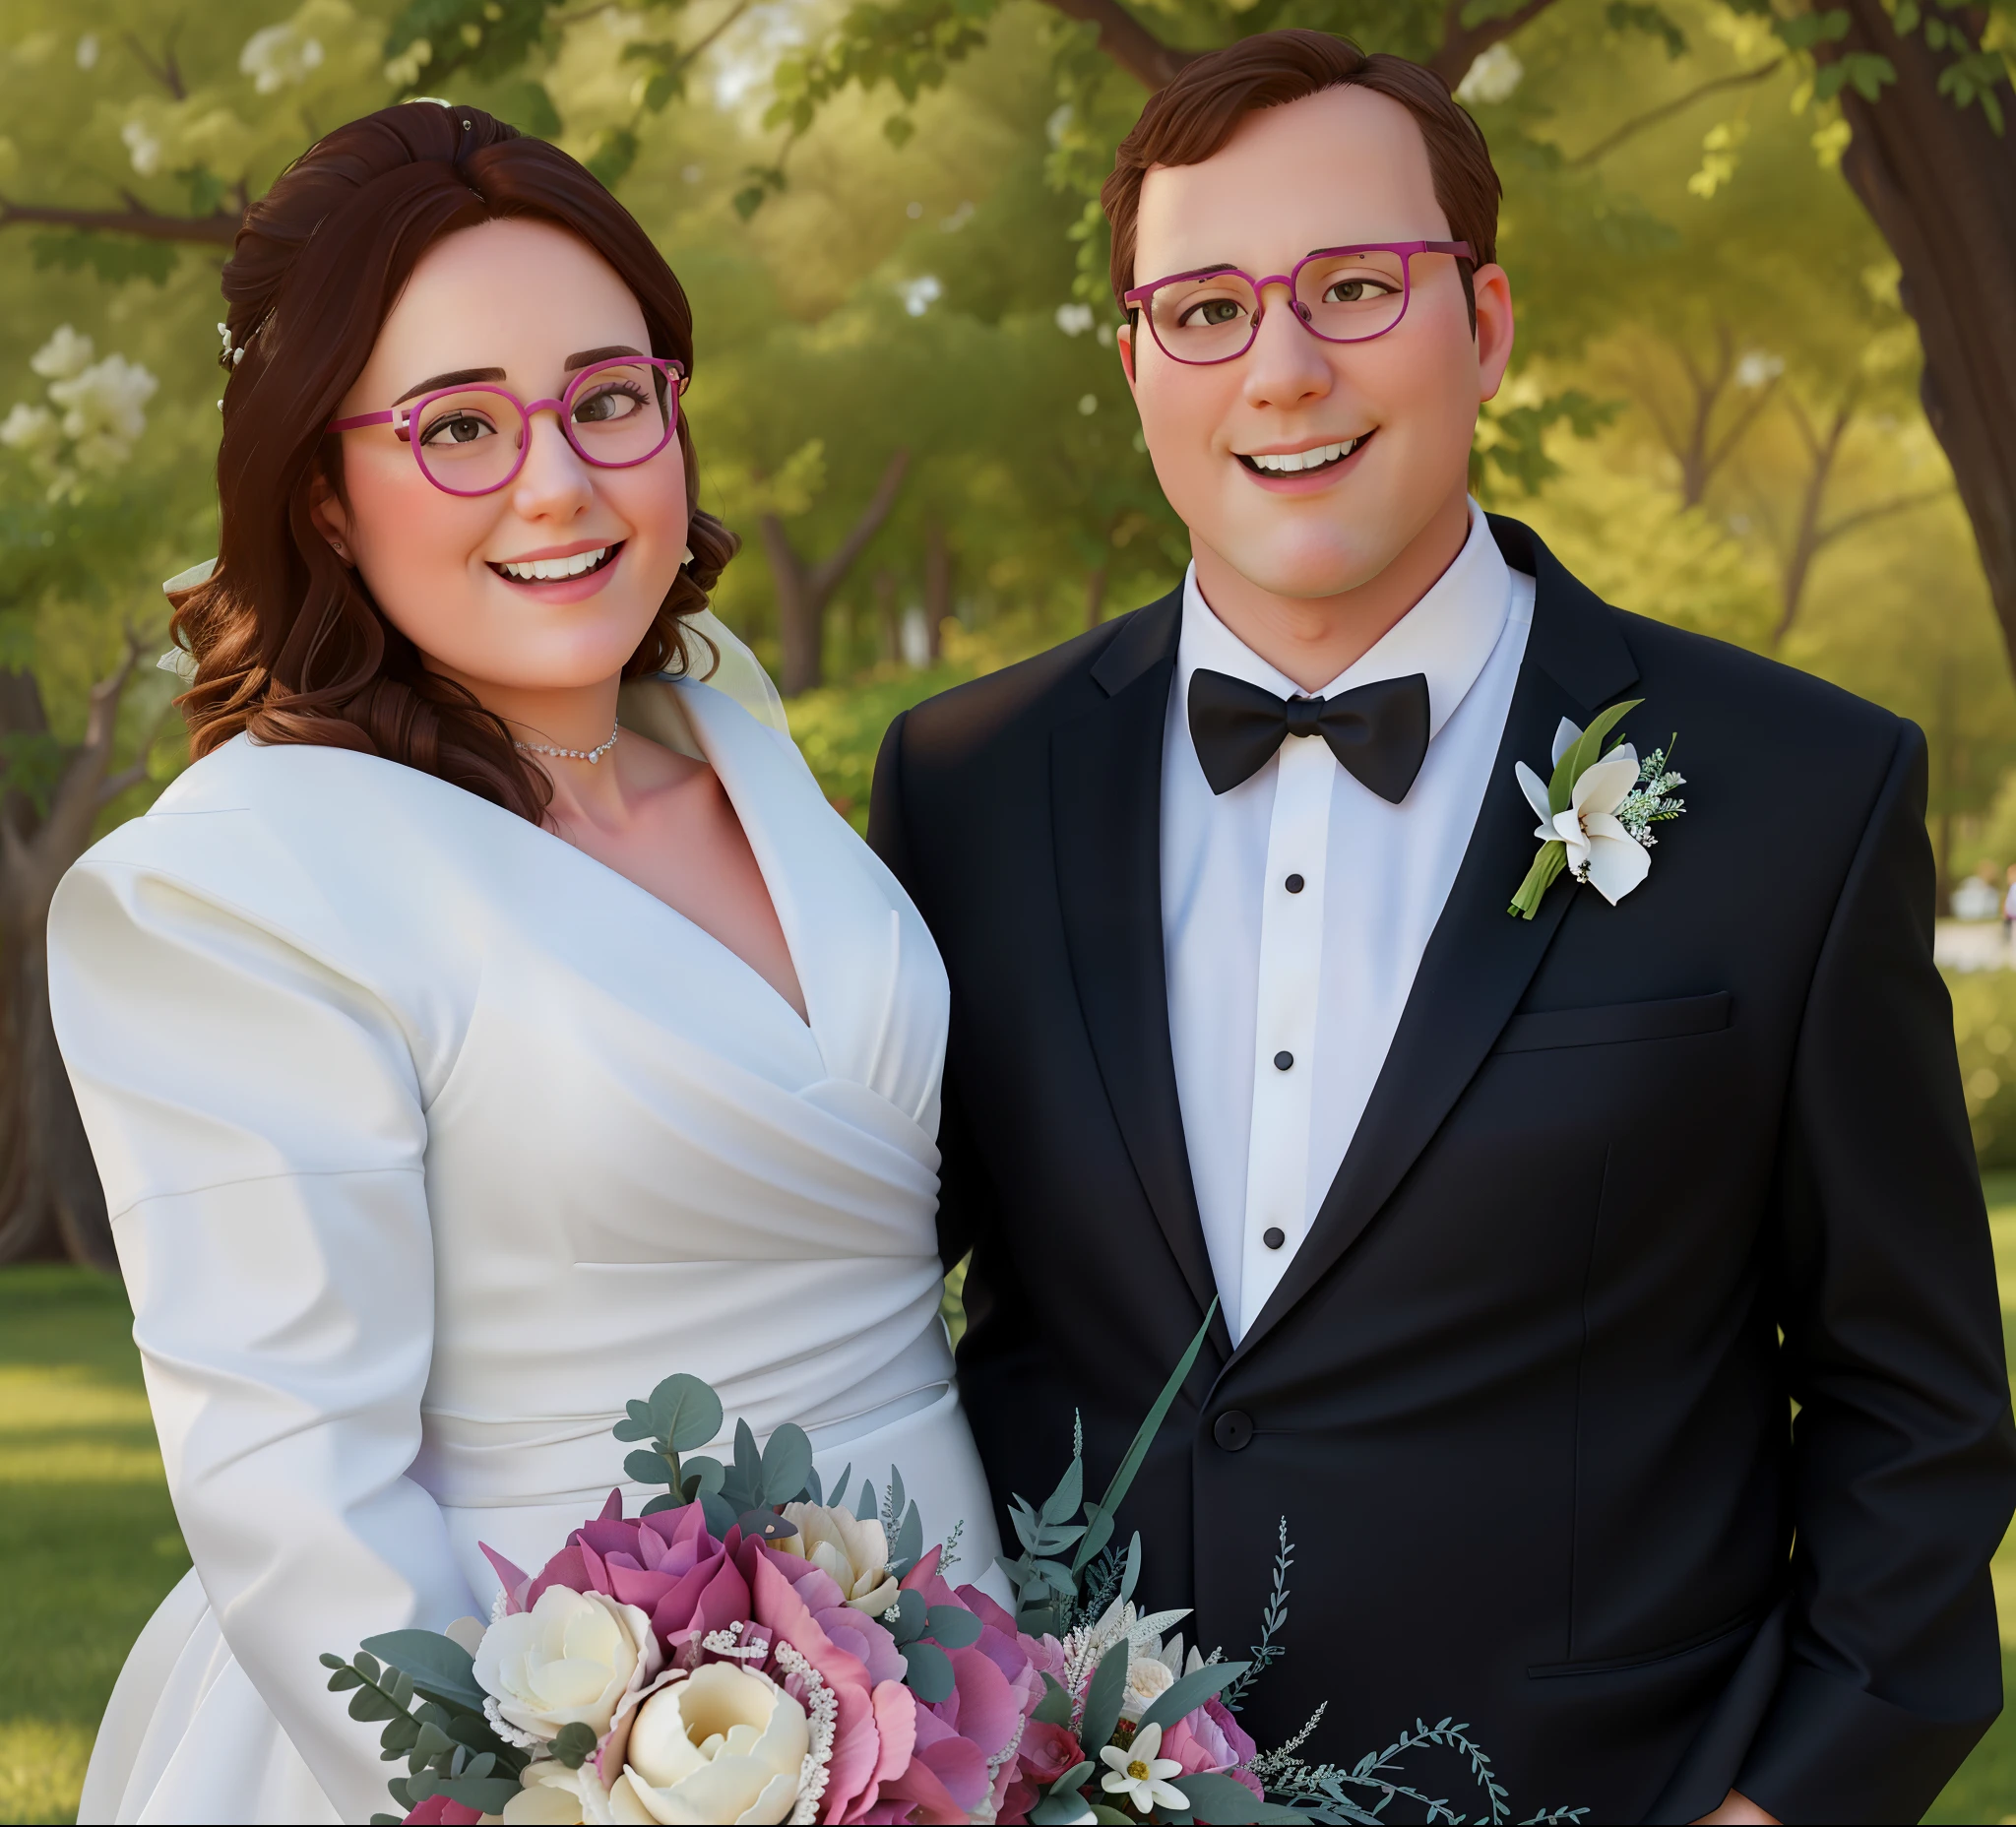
[1340, 168]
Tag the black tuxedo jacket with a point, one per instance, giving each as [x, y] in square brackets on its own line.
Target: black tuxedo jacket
[1636, 1184]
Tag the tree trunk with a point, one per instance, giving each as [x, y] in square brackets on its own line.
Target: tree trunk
[1940, 184]
[937, 585]
[804, 587]
[51, 1201]
[1808, 535]
[887, 624]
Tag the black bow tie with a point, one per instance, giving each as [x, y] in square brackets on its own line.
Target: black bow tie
[1378, 732]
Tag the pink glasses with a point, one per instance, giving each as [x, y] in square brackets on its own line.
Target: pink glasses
[1342, 294]
[472, 439]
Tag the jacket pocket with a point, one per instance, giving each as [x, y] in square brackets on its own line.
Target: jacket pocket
[1616, 1020]
[1716, 1636]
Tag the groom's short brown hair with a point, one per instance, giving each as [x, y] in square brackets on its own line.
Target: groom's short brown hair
[1193, 116]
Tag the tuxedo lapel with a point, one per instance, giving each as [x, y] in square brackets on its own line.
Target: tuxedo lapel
[1106, 810]
[1479, 958]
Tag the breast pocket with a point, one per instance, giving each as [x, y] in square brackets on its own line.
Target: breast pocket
[1671, 1019]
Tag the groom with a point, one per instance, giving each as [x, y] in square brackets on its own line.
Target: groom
[1528, 1233]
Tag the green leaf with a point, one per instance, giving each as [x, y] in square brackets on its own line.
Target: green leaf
[700, 1474]
[786, 1462]
[114, 260]
[1144, 1437]
[1131, 1571]
[687, 1411]
[905, 1620]
[909, 1542]
[953, 1626]
[1073, 1779]
[489, 1793]
[929, 1671]
[1190, 1692]
[646, 1468]
[1062, 1503]
[573, 1743]
[1219, 1799]
[721, 1516]
[1546, 866]
[1102, 1698]
[1054, 1708]
[440, 1668]
[1580, 755]
[1098, 1531]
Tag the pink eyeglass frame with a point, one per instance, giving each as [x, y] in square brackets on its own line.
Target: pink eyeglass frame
[401, 419]
[1138, 298]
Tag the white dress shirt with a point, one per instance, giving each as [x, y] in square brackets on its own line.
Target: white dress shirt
[1283, 1003]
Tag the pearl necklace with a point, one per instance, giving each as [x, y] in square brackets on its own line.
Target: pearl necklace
[589, 755]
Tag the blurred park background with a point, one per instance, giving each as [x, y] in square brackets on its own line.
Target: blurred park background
[1764, 255]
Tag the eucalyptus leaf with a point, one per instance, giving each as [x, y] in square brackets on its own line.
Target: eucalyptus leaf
[721, 1517]
[929, 1671]
[1059, 1811]
[1191, 1692]
[686, 1412]
[1098, 1531]
[1054, 1708]
[786, 1462]
[953, 1626]
[700, 1474]
[1132, 1569]
[898, 1500]
[838, 1496]
[658, 1504]
[486, 1794]
[905, 1620]
[865, 1510]
[646, 1468]
[438, 1666]
[909, 1542]
[573, 1743]
[1062, 1503]
[1104, 1697]
[1073, 1779]
[1225, 1803]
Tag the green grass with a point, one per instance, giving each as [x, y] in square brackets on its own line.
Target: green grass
[90, 1543]
[87, 1534]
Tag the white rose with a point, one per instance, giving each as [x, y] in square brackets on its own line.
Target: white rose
[1148, 1679]
[572, 1657]
[723, 1745]
[851, 1550]
[552, 1795]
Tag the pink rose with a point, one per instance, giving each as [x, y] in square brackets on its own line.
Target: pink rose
[1211, 1741]
[438, 1809]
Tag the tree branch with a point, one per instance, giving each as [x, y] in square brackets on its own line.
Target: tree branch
[1668, 109]
[214, 230]
[1131, 45]
[707, 38]
[835, 565]
[168, 72]
[1462, 46]
[1861, 517]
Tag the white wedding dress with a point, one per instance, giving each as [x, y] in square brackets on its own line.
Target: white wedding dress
[428, 1140]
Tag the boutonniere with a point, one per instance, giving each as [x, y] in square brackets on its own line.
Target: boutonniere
[1596, 812]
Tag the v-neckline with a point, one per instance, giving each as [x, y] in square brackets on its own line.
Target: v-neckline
[784, 925]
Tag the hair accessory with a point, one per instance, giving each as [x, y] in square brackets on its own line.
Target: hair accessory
[686, 557]
[589, 755]
[230, 355]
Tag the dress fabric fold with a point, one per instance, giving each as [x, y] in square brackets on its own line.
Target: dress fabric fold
[428, 1140]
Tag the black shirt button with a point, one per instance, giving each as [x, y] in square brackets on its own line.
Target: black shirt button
[1274, 1236]
[1281, 1061]
[1293, 884]
[1233, 1430]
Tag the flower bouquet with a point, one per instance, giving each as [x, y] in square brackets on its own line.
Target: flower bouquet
[750, 1648]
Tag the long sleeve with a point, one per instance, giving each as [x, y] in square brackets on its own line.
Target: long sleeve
[1904, 1469]
[258, 1125]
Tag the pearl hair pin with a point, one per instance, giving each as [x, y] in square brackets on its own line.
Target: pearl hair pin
[589, 755]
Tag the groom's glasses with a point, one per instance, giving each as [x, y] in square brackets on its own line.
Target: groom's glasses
[1341, 295]
[472, 439]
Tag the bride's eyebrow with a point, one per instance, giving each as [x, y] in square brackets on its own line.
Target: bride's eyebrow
[588, 356]
[458, 377]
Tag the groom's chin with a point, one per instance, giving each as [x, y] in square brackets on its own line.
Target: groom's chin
[1298, 562]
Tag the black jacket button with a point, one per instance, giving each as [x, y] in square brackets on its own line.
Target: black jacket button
[1293, 884]
[1283, 1060]
[1274, 1236]
[1232, 1430]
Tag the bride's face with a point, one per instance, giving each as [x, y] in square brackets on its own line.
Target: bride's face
[524, 306]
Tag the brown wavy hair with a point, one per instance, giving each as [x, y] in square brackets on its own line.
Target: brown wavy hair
[288, 642]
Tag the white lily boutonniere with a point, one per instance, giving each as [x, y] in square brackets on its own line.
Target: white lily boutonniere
[1597, 813]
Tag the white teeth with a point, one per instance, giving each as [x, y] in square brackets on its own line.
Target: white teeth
[542, 570]
[1287, 463]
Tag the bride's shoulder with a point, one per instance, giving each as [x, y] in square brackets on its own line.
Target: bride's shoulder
[312, 843]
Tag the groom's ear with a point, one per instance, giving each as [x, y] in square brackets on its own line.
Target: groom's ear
[1124, 339]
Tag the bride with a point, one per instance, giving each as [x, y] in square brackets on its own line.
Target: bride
[495, 1019]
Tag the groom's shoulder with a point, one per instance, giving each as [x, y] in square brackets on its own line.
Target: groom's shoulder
[1001, 712]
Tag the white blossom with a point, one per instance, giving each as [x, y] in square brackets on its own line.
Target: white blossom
[278, 56]
[1074, 320]
[104, 400]
[88, 51]
[1493, 77]
[1140, 1773]
[142, 147]
[30, 428]
[65, 353]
